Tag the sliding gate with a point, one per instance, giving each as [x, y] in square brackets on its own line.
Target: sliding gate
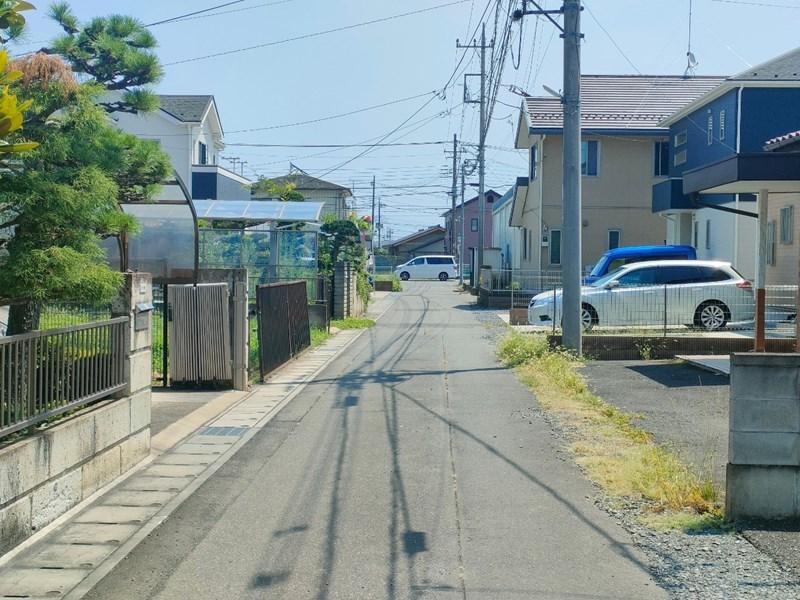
[283, 327]
[199, 333]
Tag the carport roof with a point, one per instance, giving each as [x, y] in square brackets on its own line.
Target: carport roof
[746, 174]
[257, 210]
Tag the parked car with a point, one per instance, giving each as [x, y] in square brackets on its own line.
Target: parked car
[706, 294]
[613, 259]
[441, 267]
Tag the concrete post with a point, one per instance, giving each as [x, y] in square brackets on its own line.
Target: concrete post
[135, 301]
[763, 471]
[761, 271]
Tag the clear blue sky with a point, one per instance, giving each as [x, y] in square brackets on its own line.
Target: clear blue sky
[356, 68]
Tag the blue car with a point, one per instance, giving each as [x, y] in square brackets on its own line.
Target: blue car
[613, 259]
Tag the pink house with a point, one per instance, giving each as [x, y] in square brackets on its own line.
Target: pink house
[453, 225]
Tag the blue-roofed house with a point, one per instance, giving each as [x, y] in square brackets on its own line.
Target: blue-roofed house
[624, 150]
[720, 160]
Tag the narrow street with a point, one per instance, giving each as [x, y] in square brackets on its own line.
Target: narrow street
[414, 466]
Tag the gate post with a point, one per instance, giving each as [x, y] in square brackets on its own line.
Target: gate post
[135, 301]
[239, 333]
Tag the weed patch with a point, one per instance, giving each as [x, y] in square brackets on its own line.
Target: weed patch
[615, 453]
[352, 323]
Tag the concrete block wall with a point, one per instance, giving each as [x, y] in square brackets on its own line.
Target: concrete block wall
[763, 471]
[44, 475]
[346, 301]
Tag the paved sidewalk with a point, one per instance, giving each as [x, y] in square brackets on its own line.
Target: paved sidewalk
[72, 557]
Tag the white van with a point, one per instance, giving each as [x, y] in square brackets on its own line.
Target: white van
[440, 266]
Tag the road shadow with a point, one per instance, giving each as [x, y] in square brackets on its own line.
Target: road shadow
[672, 375]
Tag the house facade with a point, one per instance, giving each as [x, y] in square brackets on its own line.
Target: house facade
[730, 124]
[622, 153]
[419, 243]
[188, 128]
[335, 197]
[508, 239]
[471, 225]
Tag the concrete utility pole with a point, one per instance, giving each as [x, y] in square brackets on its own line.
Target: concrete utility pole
[380, 223]
[463, 231]
[571, 299]
[372, 224]
[483, 126]
[452, 227]
[571, 100]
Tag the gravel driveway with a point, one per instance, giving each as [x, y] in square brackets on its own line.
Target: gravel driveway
[684, 407]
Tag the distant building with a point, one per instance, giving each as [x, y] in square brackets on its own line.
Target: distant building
[508, 239]
[424, 241]
[188, 128]
[335, 197]
[453, 226]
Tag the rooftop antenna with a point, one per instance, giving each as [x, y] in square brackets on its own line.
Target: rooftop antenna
[691, 61]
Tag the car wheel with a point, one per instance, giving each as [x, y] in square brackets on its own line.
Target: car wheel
[443, 276]
[405, 276]
[588, 316]
[712, 315]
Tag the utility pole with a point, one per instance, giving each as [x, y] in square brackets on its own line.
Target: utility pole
[372, 239]
[380, 224]
[481, 135]
[461, 249]
[452, 227]
[571, 101]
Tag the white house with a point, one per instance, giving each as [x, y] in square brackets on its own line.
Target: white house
[335, 197]
[505, 237]
[189, 130]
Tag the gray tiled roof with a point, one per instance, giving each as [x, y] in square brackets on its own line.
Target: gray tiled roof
[782, 141]
[623, 101]
[782, 68]
[307, 182]
[189, 109]
[436, 229]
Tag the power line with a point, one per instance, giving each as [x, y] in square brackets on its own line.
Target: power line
[611, 39]
[315, 34]
[340, 115]
[752, 3]
[226, 12]
[191, 14]
[242, 144]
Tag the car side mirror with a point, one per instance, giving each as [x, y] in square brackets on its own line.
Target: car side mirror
[611, 284]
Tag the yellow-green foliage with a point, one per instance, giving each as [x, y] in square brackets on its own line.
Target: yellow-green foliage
[616, 454]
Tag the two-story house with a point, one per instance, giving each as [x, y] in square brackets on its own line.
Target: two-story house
[189, 130]
[624, 148]
[508, 239]
[471, 228]
[334, 197]
[720, 160]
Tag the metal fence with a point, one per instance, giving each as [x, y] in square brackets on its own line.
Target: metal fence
[46, 373]
[283, 324]
[514, 288]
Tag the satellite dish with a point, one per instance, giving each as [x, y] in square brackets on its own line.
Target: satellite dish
[692, 60]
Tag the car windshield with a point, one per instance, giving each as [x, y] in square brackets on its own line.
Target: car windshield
[604, 280]
[600, 266]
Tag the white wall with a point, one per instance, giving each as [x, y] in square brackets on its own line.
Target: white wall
[175, 138]
[505, 236]
[733, 238]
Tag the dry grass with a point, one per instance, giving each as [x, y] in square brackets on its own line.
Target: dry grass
[614, 453]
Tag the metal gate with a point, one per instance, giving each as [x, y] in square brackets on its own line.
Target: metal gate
[283, 327]
[199, 335]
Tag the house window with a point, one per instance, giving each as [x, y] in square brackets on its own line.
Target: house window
[680, 138]
[661, 159]
[710, 128]
[555, 246]
[680, 158]
[771, 243]
[589, 152]
[524, 242]
[202, 154]
[533, 162]
[721, 125]
[787, 225]
[695, 234]
[708, 234]
[473, 224]
[613, 238]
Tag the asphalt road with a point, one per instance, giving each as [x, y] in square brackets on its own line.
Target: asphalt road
[413, 467]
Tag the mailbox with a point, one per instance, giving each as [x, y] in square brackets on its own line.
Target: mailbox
[141, 316]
